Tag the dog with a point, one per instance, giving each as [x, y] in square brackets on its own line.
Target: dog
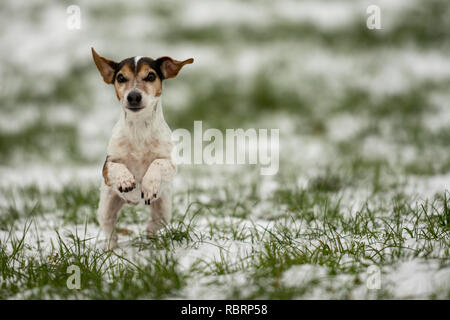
[138, 166]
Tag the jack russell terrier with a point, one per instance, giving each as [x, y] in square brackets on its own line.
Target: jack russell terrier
[138, 166]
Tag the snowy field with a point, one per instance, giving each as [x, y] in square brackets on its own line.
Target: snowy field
[364, 176]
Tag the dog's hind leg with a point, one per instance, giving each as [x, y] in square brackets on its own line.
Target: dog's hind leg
[108, 209]
[160, 212]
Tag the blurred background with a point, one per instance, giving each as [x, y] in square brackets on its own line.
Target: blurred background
[336, 89]
[363, 114]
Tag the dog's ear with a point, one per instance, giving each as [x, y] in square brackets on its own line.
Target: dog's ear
[170, 67]
[105, 66]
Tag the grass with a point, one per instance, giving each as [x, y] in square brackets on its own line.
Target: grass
[100, 272]
[370, 191]
[38, 139]
[315, 230]
[429, 27]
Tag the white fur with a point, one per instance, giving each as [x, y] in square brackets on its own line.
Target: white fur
[136, 60]
[139, 157]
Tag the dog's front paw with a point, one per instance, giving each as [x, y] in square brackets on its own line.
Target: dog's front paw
[125, 182]
[151, 187]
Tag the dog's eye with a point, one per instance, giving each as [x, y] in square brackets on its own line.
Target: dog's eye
[150, 77]
[121, 78]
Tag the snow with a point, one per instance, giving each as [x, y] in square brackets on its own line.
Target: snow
[417, 279]
[300, 275]
[403, 68]
[428, 187]
[49, 176]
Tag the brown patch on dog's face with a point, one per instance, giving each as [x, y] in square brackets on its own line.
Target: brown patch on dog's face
[138, 81]
[147, 80]
[124, 80]
[143, 79]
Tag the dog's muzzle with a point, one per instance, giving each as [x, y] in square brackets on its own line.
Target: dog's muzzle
[134, 99]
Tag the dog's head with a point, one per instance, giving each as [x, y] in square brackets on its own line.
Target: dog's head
[138, 80]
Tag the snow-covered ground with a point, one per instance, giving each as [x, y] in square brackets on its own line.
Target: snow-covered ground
[364, 160]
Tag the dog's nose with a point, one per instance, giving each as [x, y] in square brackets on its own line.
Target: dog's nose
[134, 98]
